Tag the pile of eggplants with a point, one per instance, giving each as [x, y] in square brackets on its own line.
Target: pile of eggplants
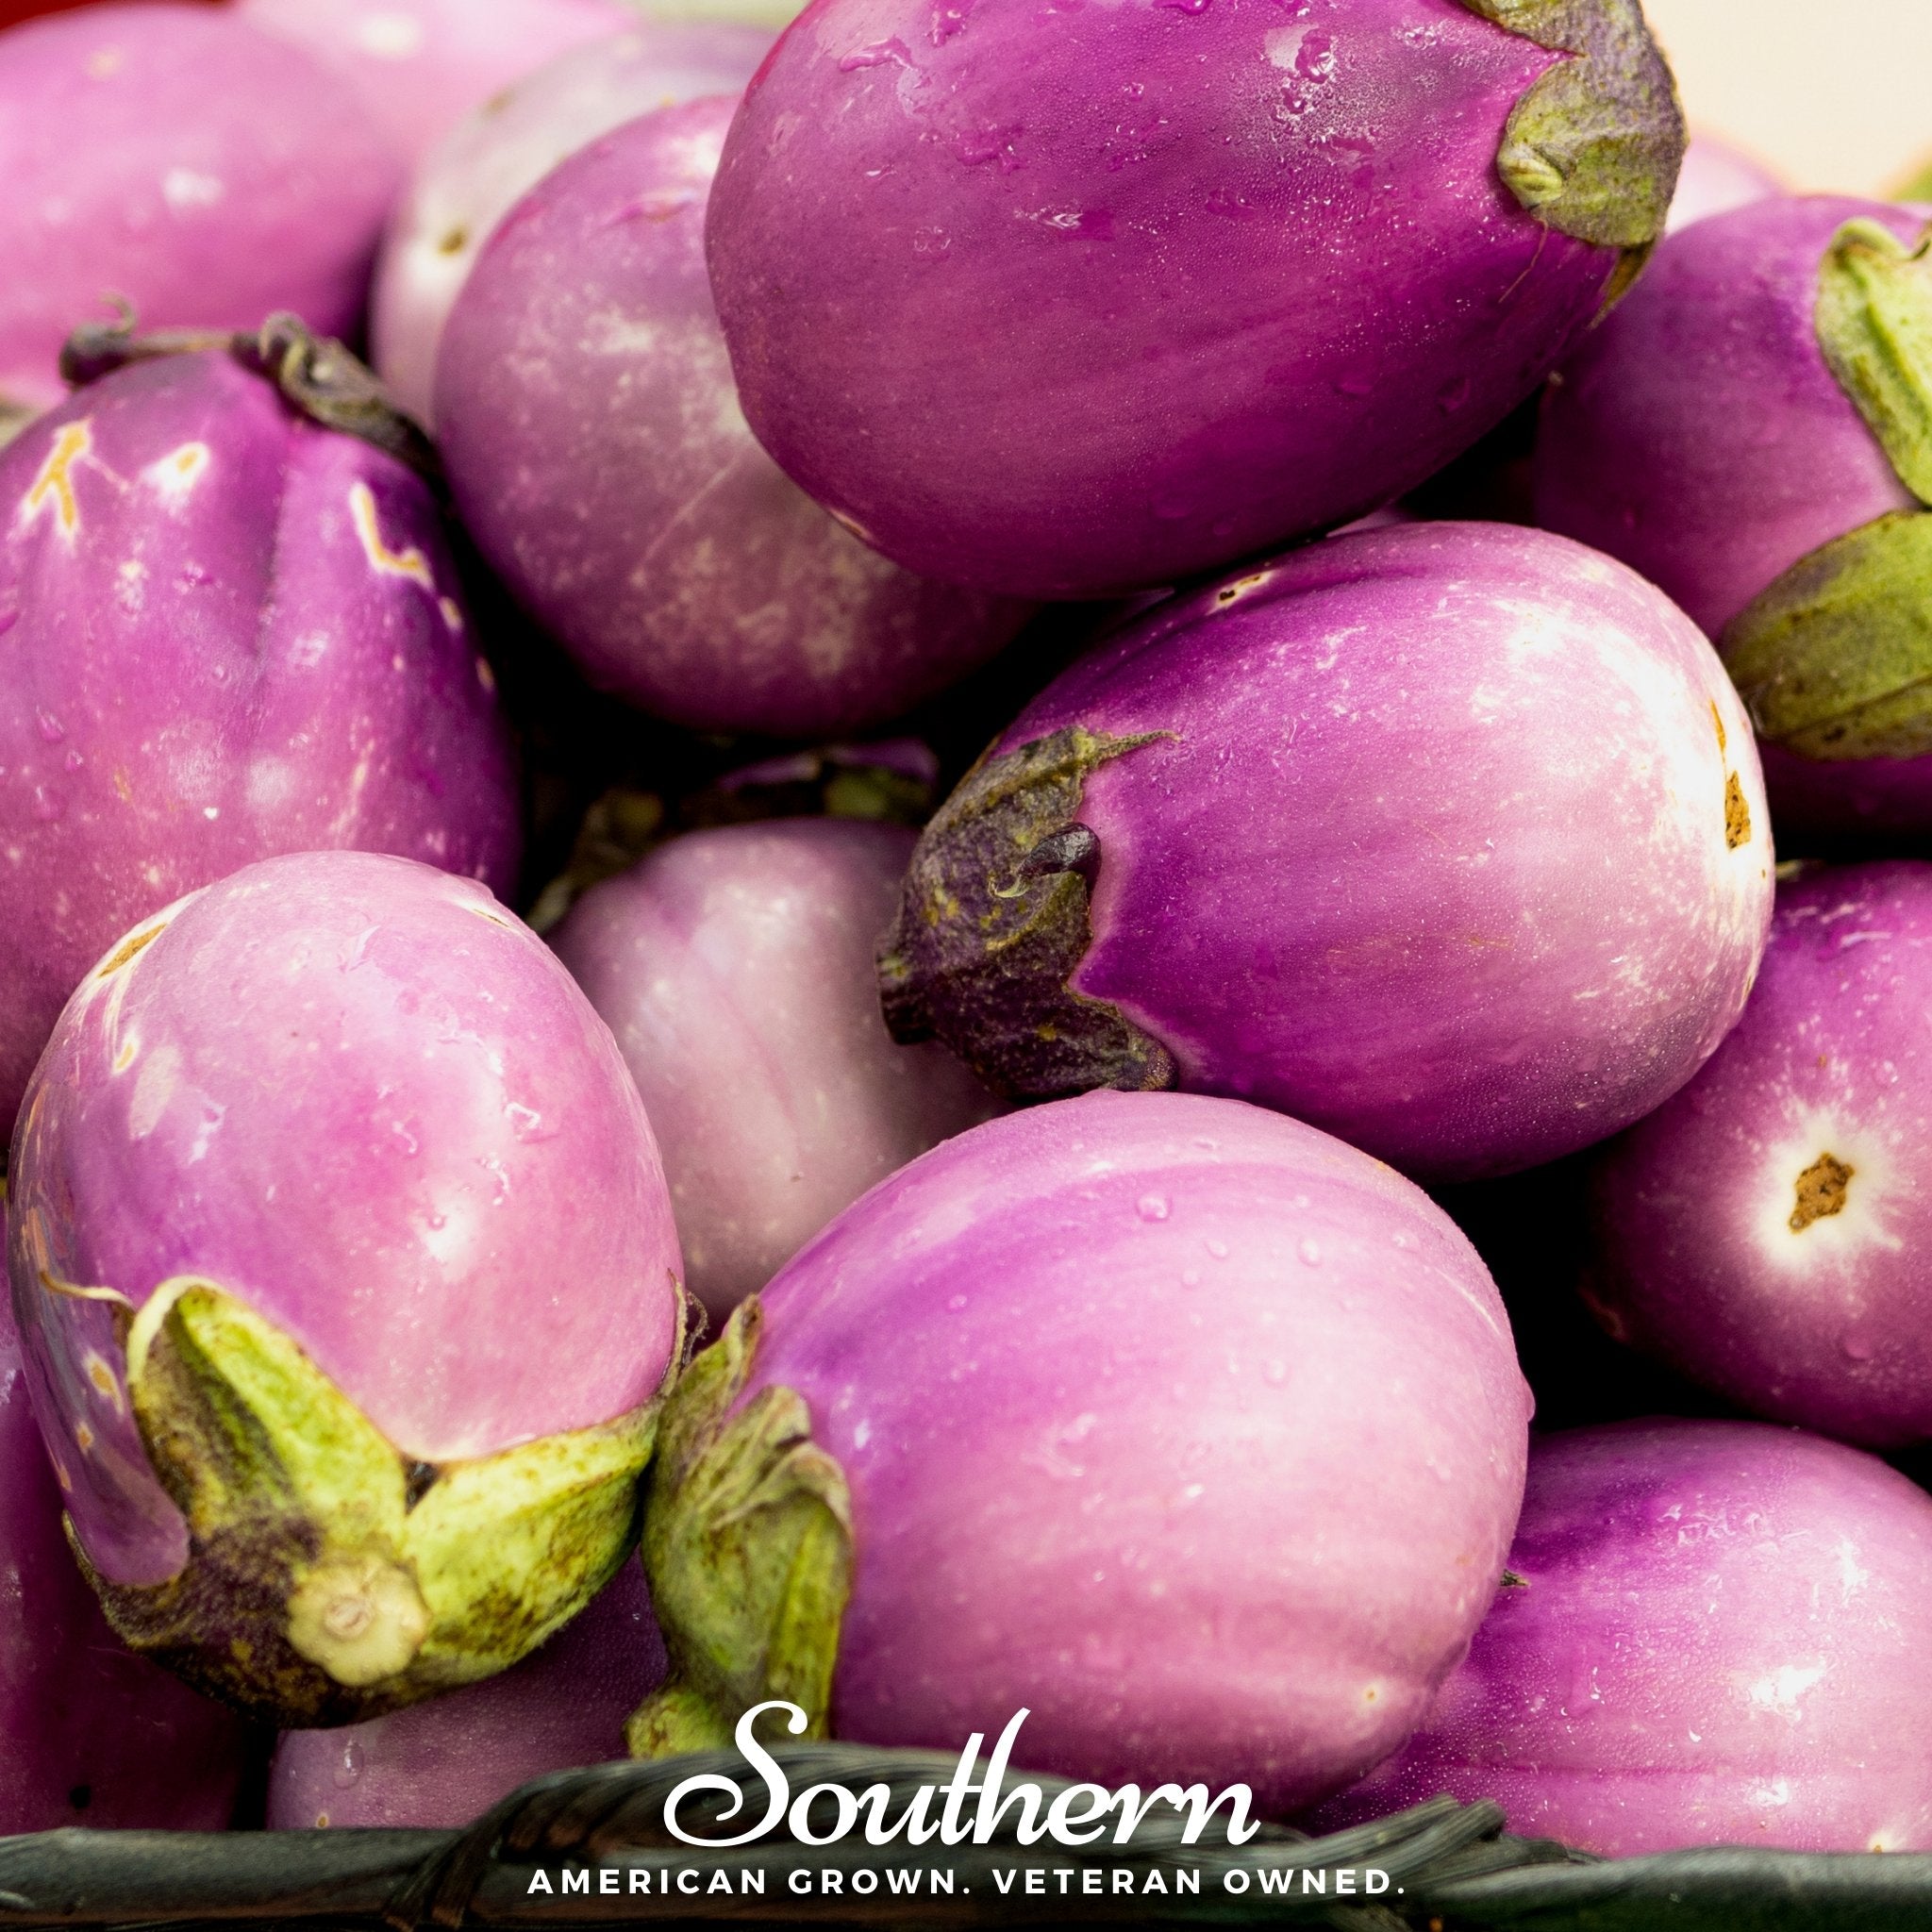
[781, 966]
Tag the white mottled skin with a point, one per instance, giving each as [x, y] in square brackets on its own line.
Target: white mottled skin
[736, 968]
[1717, 1637]
[1436, 854]
[357, 1095]
[1829, 1324]
[591, 427]
[484, 166]
[1187, 1428]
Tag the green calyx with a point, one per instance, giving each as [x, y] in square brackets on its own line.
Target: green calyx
[1834, 661]
[328, 1578]
[995, 922]
[1873, 320]
[1594, 145]
[1835, 658]
[747, 1544]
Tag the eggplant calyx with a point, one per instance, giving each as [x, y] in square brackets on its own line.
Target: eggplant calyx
[315, 374]
[1874, 319]
[995, 922]
[330, 1577]
[1834, 659]
[747, 1545]
[1594, 146]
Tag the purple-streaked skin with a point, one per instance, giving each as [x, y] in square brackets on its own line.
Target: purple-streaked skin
[442, 1764]
[178, 159]
[1065, 302]
[596, 448]
[1764, 1231]
[92, 1733]
[419, 66]
[485, 165]
[232, 633]
[1715, 178]
[343, 1105]
[1711, 1633]
[1182, 1425]
[736, 968]
[1701, 435]
[1448, 837]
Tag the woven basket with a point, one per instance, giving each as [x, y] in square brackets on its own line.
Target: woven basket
[1445, 1867]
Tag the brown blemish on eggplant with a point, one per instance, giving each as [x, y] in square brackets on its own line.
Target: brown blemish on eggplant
[129, 948]
[1717, 719]
[1737, 814]
[1822, 1190]
[1512, 1581]
[455, 242]
[1230, 593]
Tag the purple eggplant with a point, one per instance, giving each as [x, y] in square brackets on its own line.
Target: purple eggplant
[735, 968]
[1064, 302]
[1747, 430]
[595, 445]
[233, 632]
[444, 1763]
[1710, 1633]
[485, 165]
[348, 1390]
[174, 157]
[92, 1733]
[1763, 1231]
[1182, 1426]
[419, 66]
[1447, 838]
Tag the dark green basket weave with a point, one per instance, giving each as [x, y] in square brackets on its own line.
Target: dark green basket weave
[1447, 1866]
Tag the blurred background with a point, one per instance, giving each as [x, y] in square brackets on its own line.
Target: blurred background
[1833, 93]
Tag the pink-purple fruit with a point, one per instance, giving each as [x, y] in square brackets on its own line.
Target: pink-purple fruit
[1763, 1232]
[1186, 1428]
[486, 163]
[93, 1735]
[419, 66]
[1749, 431]
[178, 159]
[231, 633]
[1447, 838]
[1063, 301]
[346, 1270]
[595, 442]
[735, 968]
[1709, 1634]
